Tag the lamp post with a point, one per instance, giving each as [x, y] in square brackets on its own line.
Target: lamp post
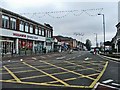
[96, 40]
[103, 29]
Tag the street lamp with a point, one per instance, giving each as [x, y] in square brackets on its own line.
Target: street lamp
[103, 28]
[96, 40]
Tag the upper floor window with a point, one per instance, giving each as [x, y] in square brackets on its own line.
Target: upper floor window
[5, 21]
[36, 30]
[40, 31]
[13, 23]
[21, 26]
[26, 27]
[43, 32]
[46, 33]
[31, 28]
[49, 33]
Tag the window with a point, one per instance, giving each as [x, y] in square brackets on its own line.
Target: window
[49, 33]
[40, 31]
[26, 27]
[13, 23]
[21, 26]
[5, 21]
[36, 30]
[31, 28]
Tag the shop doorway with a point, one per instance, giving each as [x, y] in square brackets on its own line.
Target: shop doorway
[7, 47]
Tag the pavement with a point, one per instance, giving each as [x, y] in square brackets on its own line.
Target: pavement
[79, 70]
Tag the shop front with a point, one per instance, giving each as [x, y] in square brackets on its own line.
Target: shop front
[19, 43]
[49, 44]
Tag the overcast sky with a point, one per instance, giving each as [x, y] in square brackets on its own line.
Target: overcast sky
[70, 24]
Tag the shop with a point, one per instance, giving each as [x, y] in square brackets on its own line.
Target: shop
[49, 44]
[20, 43]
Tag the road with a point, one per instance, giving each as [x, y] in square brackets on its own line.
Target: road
[78, 70]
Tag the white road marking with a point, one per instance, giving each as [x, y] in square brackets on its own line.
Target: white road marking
[34, 58]
[60, 57]
[107, 81]
[8, 60]
[116, 84]
[103, 85]
[21, 60]
[87, 58]
[108, 59]
[42, 57]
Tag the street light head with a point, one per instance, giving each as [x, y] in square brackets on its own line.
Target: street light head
[99, 14]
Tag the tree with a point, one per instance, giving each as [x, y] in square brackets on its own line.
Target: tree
[88, 44]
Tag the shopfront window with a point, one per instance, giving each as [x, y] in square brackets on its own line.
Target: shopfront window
[21, 26]
[36, 30]
[31, 28]
[5, 21]
[13, 23]
[26, 27]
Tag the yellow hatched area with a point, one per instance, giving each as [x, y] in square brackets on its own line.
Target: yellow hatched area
[56, 80]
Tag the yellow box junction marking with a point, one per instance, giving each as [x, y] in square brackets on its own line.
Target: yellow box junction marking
[70, 79]
[31, 77]
[47, 74]
[68, 70]
[49, 83]
[44, 84]
[12, 74]
[81, 66]
[93, 84]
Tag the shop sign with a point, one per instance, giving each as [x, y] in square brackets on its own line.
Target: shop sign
[19, 35]
[49, 39]
[32, 37]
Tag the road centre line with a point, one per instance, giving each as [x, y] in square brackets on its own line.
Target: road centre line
[81, 66]
[12, 74]
[68, 70]
[44, 84]
[46, 74]
[100, 75]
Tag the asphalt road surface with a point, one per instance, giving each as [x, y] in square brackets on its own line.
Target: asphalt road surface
[79, 70]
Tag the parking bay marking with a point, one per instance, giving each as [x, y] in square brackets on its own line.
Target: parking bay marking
[68, 70]
[46, 74]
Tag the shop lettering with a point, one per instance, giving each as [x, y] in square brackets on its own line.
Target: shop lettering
[19, 35]
[32, 37]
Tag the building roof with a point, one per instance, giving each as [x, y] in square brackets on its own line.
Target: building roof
[61, 38]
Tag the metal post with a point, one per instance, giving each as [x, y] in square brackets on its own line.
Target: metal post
[103, 29]
[96, 39]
